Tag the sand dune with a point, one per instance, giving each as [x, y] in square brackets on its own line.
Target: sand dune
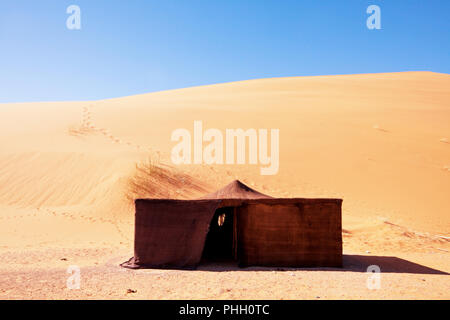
[379, 141]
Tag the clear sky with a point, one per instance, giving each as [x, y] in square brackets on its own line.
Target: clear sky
[136, 46]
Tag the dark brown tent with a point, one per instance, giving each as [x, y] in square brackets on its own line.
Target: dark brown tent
[237, 223]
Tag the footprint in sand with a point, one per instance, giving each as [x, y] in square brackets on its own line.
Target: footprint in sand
[88, 126]
[377, 127]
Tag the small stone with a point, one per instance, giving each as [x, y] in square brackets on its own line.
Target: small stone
[131, 291]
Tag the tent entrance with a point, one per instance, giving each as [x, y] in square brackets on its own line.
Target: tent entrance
[220, 244]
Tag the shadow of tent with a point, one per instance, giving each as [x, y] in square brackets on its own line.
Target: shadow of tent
[358, 263]
[351, 263]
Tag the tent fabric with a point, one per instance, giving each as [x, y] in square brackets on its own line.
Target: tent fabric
[290, 233]
[269, 231]
[171, 233]
[236, 190]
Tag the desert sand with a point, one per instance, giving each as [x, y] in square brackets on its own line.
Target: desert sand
[381, 142]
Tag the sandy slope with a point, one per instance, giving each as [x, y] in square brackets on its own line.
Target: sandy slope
[379, 141]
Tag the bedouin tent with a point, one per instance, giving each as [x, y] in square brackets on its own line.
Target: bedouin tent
[237, 223]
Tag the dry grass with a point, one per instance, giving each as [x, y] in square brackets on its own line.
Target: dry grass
[157, 181]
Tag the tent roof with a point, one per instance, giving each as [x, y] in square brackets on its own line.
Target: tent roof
[236, 190]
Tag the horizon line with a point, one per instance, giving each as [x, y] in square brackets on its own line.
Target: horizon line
[222, 83]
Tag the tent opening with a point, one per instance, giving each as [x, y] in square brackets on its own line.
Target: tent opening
[220, 240]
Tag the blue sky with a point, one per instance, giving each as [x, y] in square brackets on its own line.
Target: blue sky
[131, 47]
